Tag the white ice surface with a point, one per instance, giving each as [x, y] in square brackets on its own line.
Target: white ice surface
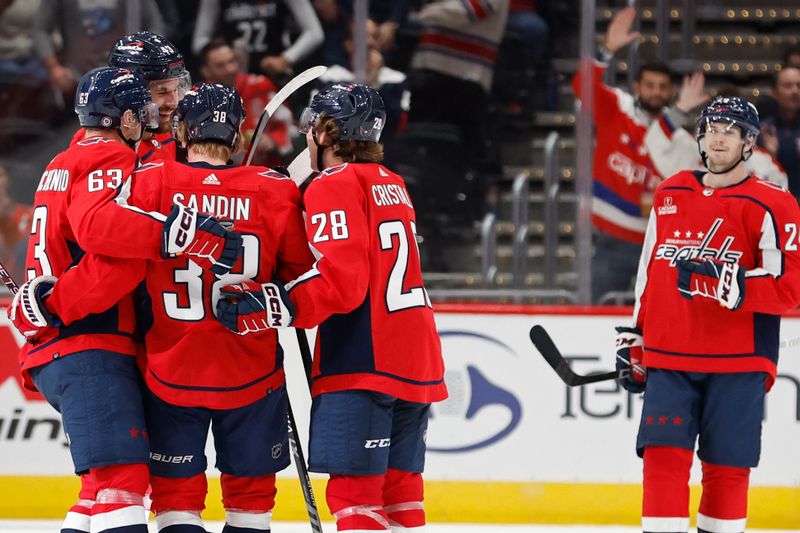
[51, 526]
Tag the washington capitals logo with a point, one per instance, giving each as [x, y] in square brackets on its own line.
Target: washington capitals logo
[696, 245]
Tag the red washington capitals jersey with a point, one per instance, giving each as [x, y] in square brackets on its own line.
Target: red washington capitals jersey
[376, 328]
[76, 182]
[192, 360]
[753, 223]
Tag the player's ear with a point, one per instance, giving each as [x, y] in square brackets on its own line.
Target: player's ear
[129, 119]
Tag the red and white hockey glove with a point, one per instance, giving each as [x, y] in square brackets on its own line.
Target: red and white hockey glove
[202, 238]
[723, 282]
[250, 307]
[27, 311]
[629, 357]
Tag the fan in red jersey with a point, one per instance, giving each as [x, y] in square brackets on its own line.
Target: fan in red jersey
[720, 265]
[378, 361]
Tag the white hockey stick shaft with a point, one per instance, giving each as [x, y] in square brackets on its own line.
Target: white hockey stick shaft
[300, 167]
[276, 101]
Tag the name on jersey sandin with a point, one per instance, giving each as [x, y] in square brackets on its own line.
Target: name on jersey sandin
[690, 244]
[232, 208]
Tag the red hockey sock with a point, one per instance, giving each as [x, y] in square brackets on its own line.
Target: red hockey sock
[665, 506]
[248, 493]
[357, 502]
[723, 506]
[78, 517]
[180, 493]
[402, 499]
[120, 498]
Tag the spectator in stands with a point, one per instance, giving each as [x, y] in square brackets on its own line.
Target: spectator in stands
[780, 119]
[624, 177]
[17, 54]
[453, 65]
[220, 64]
[335, 20]
[391, 84]
[88, 31]
[259, 27]
[15, 223]
[791, 57]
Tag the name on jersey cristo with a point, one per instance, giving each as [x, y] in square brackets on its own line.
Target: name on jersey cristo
[231, 208]
[391, 194]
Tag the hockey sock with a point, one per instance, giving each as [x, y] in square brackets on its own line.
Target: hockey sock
[248, 503]
[356, 503]
[402, 501]
[79, 517]
[120, 499]
[665, 506]
[177, 503]
[723, 506]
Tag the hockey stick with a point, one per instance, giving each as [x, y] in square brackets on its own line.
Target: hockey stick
[8, 281]
[294, 441]
[276, 101]
[546, 347]
[300, 167]
[302, 470]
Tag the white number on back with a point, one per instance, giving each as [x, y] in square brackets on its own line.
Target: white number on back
[791, 242]
[391, 232]
[192, 277]
[39, 232]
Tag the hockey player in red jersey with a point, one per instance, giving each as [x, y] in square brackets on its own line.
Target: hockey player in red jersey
[89, 362]
[720, 264]
[113, 106]
[378, 362]
[189, 388]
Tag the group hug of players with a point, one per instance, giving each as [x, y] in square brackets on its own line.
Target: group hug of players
[149, 320]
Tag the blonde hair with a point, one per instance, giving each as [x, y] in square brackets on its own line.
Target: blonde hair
[349, 150]
[211, 149]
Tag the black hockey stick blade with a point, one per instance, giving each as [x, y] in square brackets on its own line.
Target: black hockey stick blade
[541, 339]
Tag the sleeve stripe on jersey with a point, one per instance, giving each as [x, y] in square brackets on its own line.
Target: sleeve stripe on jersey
[771, 254]
[311, 274]
[644, 262]
[124, 192]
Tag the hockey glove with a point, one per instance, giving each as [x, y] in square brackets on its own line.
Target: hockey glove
[629, 357]
[723, 282]
[202, 238]
[27, 311]
[251, 307]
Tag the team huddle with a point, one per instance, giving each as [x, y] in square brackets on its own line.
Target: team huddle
[155, 288]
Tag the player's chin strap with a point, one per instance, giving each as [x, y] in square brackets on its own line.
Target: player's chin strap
[742, 158]
[131, 142]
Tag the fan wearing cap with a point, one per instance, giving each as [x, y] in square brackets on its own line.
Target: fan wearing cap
[378, 362]
[720, 264]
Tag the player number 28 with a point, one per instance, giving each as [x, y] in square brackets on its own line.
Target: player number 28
[338, 226]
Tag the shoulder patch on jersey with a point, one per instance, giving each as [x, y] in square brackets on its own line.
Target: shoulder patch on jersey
[149, 166]
[770, 184]
[93, 140]
[334, 169]
[274, 174]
